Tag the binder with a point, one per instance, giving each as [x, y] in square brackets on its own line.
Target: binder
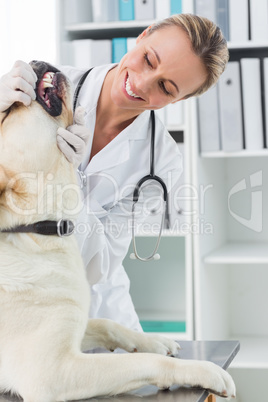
[259, 20]
[216, 11]
[131, 43]
[162, 9]
[251, 88]
[265, 76]
[174, 114]
[222, 15]
[105, 10]
[119, 49]
[206, 8]
[230, 106]
[209, 120]
[126, 10]
[175, 7]
[74, 14]
[238, 20]
[144, 10]
[89, 52]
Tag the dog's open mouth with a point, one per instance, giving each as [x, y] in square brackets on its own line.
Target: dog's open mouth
[51, 87]
[47, 86]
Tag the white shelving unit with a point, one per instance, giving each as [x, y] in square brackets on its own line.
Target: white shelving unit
[231, 260]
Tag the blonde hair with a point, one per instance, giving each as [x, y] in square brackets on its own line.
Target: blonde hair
[207, 42]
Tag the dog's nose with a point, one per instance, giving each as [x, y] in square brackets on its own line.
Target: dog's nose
[33, 62]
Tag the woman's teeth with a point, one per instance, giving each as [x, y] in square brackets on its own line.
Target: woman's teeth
[128, 89]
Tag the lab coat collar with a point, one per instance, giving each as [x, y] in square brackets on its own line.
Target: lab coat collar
[94, 80]
[118, 150]
[139, 128]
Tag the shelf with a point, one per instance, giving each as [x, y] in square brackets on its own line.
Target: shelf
[247, 45]
[239, 253]
[253, 353]
[134, 24]
[106, 30]
[165, 233]
[94, 26]
[239, 154]
[181, 127]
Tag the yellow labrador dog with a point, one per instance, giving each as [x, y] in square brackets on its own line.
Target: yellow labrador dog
[44, 295]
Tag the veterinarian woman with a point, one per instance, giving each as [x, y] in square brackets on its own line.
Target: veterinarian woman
[179, 57]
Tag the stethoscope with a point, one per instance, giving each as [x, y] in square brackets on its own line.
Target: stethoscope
[151, 176]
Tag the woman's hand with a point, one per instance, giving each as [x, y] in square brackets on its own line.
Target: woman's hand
[73, 140]
[17, 86]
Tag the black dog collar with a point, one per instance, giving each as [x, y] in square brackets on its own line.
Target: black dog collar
[61, 228]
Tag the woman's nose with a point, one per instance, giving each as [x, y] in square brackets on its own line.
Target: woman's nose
[144, 83]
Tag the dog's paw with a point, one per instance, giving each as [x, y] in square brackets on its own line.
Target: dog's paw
[211, 377]
[163, 345]
[149, 343]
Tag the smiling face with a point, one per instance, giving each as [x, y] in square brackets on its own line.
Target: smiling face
[161, 69]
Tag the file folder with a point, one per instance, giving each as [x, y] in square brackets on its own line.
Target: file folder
[239, 20]
[265, 73]
[144, 10]
[209, 122]
[89, 52]
[175, 7]
[222, 15]
[259, 20]
[251, 88]
[105, 10]
[206, 8]
[162, 9]
[230, 106]
[126, 10]
[119, 49]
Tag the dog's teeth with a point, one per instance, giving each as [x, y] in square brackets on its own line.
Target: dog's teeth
[47, 84]
[48, 77]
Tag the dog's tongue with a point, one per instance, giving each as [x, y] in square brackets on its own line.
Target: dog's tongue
[47, 100]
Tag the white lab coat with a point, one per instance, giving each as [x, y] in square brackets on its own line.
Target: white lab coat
[103, 227]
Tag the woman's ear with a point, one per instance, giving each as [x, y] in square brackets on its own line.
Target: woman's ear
[144, 33]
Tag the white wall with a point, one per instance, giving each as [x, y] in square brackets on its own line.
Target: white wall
[27, 31]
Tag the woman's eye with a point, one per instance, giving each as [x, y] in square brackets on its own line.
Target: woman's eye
[162, 86]
[146, 58]
[161, 83]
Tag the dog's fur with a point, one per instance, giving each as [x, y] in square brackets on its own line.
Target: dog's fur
[44, 294]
